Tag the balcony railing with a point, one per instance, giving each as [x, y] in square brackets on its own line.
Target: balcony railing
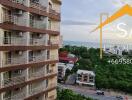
[18, 96]
[37, 74]
[37, 5]
[52, 42]
[22, 2]
[13, 81]
[37, 58]
[37, 41]
[37, 24]
[13, 41]
[42, 58]
[37, 90]
[13, 19]
[13, 61]
[53, 57]
[51, 11]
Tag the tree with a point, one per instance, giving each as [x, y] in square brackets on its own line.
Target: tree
[69, 95]
[109, 76]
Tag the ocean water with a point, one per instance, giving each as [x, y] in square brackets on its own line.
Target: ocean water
[86, 44]
[97, 45]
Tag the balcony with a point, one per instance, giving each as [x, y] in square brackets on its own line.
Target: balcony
[35, 41]
[40, 58]
[57, 1]
[18, 96]
[13, 41]
[22, 2]
[37, 5]
[53, 12]
[37, 74]
[37, 24]
[37, 58]
[13, 61]
[14, 19]
[14, 80]
[53, 42]
[36, 90]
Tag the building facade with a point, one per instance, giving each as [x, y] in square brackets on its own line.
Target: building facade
[29, 42]
[85, 77]
[61, 41]
[61, 71]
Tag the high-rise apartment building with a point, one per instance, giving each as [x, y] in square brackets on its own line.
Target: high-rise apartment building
[29, 37]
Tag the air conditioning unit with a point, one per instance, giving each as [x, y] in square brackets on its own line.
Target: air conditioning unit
[41, 17]
[35, 42]
[40, 51]
[40, 35]
[20, 34]
[19, 12]
[19, 52]
[35, 1]
[17, 72]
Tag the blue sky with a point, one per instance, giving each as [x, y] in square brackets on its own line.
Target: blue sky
[79, 17]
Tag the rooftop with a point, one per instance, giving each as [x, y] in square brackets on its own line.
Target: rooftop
[85, 72]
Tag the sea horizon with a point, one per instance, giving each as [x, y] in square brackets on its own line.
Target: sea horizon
[95, 44]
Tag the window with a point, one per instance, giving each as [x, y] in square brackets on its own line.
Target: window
[17, 72]
[31, 57]
[47, 69]
[47, 83]
[49, 25]
[91, 79]
[85, 78]
[50, 5]
[7, 37]
[8, 56]
[48, 54]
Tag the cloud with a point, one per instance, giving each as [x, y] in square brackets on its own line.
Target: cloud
[72, 22]
[126, 2]
[120, 3]
[79, 19]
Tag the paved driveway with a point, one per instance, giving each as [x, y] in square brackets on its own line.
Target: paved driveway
[71, 79]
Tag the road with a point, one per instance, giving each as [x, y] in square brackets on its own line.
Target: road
[71, 79]
[89, 93]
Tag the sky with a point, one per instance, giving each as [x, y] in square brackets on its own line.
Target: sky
[80, 17]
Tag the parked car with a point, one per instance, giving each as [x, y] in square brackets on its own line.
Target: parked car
[119, 98]
[99, 92]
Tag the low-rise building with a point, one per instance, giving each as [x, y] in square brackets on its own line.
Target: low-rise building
[66, 57]
[62, 67]
[61, 71]
[114, 50]
[85, 77]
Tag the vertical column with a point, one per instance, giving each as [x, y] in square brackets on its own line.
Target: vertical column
[88, 78]
[1, 75]
[27, 3]
[26, 71]
[1, 62]
[27, 40]
[82, 78]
